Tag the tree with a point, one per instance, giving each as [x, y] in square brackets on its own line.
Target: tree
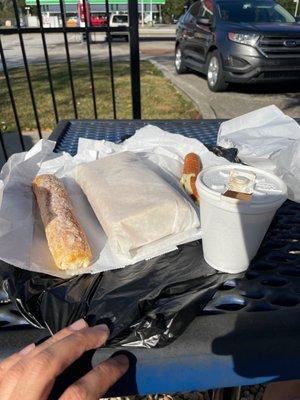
[173, 9]
[288, 5]
[176, 8]
[7, 10]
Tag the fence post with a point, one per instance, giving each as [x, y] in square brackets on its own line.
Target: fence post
[134, 58]
[110, 56]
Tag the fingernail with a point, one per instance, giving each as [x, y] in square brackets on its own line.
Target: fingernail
[103, 328]
[78, 325]
[121, 359]
[27, 349]
[121, 362]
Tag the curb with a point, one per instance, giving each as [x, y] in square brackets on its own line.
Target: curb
[199, 100]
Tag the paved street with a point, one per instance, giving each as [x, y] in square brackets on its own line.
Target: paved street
[238, 100]
[78, 49]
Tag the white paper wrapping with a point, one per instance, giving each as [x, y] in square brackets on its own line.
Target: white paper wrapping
[22, 238]
[136, 202]
[267, 139]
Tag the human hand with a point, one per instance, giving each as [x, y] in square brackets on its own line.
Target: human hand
[31, 373]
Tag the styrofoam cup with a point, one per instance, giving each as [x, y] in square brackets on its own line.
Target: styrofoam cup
[234, 229]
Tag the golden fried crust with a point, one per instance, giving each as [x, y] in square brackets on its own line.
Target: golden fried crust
[66, 240]
[191, 168]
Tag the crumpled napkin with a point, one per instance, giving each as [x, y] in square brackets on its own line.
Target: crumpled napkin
[22, 238]
[267, 139]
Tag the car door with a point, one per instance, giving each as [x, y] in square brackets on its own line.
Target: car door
[203, 31]
[189, 30]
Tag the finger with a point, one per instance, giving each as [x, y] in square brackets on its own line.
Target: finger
[8, 362]
[97, 382]
[76, 326]
[6, 367]
[45, 366]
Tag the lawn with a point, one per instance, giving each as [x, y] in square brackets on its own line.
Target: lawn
[159, 97]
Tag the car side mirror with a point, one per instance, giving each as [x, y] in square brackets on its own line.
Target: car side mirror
[297, 19]
[203, 21]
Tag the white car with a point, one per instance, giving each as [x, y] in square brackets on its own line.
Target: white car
[119, 21]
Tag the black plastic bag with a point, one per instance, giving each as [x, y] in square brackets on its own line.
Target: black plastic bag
[148, 304]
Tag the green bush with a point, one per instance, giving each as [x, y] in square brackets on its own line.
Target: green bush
[172, 9]
[7, 10]
[288, 5]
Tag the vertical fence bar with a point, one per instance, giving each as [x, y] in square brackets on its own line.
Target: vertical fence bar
[112, 80]
[47, 60]
[135, 58]
[27, 68]
[12, 99]
[62, 11]
[87, 33]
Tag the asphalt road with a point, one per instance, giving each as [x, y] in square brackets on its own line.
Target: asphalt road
[237, 100]
[78, 48]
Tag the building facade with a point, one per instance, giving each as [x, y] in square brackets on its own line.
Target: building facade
[96, 6]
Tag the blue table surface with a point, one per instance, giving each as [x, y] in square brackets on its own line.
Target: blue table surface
[247, 334]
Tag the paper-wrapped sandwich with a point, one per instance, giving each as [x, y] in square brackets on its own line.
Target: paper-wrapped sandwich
[135, 201]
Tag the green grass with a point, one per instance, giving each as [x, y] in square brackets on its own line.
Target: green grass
[159, 98]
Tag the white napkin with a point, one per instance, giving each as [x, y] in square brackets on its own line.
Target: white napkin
[267, 139]
[22, 238]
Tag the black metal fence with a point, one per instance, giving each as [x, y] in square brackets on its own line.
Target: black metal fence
[133, 33]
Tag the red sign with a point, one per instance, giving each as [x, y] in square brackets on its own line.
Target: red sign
[80, 12]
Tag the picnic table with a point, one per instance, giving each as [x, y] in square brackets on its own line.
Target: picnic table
[247, 334]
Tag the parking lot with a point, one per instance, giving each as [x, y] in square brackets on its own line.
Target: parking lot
[237, 100]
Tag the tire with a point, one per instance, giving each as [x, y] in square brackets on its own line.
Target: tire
[180, 68]
[215, 75]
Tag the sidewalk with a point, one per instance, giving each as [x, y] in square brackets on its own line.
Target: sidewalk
[158, 30]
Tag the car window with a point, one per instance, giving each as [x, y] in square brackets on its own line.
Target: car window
[181, 19]
[250, 11]
[194, 10]
[192, 13]
[120, 19]
[187, 17]
[206, 10]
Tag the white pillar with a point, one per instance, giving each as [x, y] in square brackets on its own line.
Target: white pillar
[142, 8]
[151, 13]
[297, 6]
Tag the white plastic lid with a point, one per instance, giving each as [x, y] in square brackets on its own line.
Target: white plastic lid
[268, 188]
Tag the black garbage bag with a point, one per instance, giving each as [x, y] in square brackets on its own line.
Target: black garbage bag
[148, 304]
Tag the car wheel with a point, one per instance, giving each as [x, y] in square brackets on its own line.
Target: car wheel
[179, 62]
[215, 74]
